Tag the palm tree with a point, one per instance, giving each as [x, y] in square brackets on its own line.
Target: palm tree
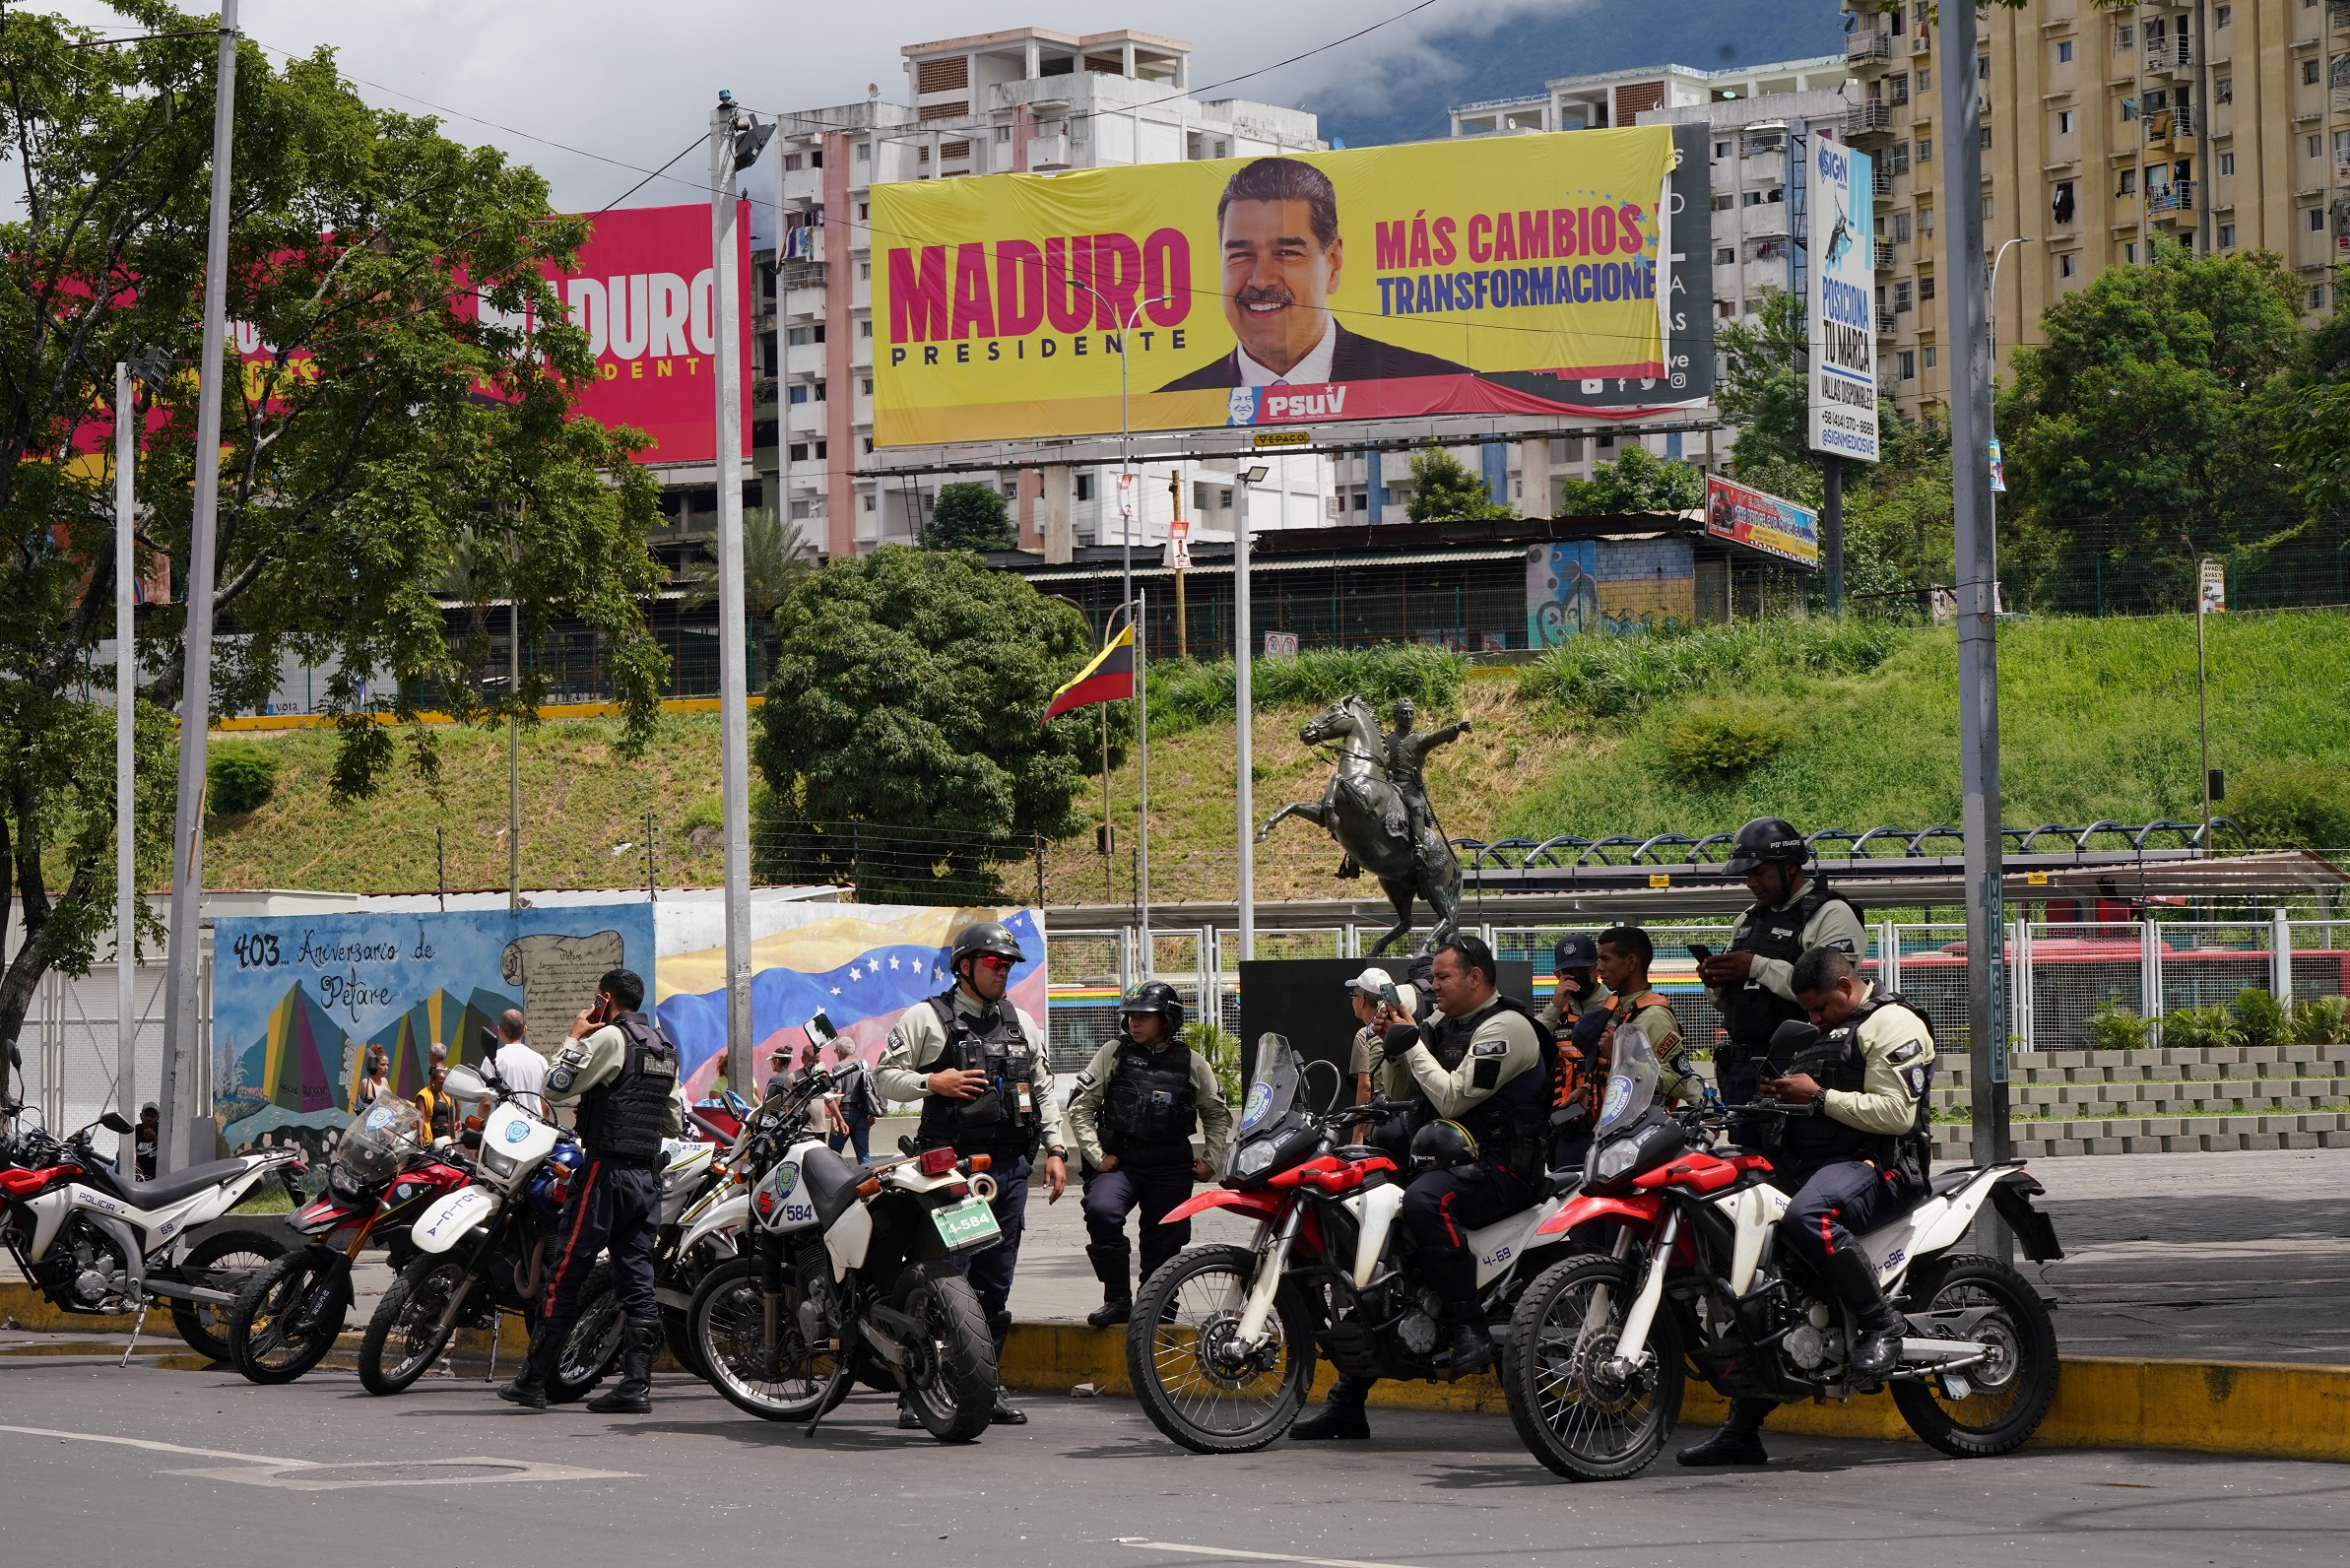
[776, 555]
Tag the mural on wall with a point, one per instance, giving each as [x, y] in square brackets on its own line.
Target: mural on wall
[298, 998]
[1617, 587]
[860, 966]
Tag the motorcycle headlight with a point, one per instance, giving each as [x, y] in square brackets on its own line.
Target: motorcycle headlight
[1253, 1157]
[498, 1163]
[1616, 1158]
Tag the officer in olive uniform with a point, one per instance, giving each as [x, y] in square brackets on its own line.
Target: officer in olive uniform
[1852, 1165]
[1751, 983]
[1481, 1076]
[977, 1063]
[622, 1072]
[1132, 1114]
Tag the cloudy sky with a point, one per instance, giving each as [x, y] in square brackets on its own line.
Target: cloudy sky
[632, 82]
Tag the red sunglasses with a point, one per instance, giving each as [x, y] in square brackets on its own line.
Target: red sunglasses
[994, 960]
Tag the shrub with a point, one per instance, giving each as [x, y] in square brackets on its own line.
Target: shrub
[242, 777]
[1222, 1054]
[1713, 740]
[1601, 677]
[2198, 1028]
[708, 811]
[2297, 805]
[1185, 695]
[2322, 1021]
[2114, 1027]
[2260, 1018]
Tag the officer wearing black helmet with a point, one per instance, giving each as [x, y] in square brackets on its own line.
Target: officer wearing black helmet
[1480, 1074]
[1753, 982]
[977, 1065]
[1132, 1114]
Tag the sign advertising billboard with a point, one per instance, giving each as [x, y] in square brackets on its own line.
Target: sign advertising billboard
[1524, 274]
[642, 289]
[1761, 522]
[1842, 302]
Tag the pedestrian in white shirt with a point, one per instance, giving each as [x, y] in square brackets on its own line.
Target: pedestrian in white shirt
[519, 1065]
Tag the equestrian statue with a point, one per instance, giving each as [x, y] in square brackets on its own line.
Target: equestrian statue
[1377, 807]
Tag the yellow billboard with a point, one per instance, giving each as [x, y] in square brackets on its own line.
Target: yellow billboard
[1516, 275]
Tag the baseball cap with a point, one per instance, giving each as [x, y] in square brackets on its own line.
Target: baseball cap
[1380, 986]
[1576, 951]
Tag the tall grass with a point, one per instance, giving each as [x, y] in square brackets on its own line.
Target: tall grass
[1186, 694]
[1608, 677]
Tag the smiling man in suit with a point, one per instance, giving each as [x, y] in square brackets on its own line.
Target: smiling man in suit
[1277, 228]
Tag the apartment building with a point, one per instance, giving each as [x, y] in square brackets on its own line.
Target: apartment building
[1025, 100]
[2219, 124]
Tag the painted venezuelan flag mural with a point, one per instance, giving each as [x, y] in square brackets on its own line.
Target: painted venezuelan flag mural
[860, 965]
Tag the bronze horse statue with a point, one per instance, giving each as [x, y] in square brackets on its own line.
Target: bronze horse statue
[1367, 815]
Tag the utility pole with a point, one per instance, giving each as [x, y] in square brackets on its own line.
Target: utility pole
[180, 1106]
[1142, 620]
[1242, 712]
[1978, 587]
[513, 730]
[734, 146]
[1831, 527]
[127, 693]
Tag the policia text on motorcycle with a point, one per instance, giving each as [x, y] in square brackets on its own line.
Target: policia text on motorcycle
[1132, 1114]
[977, 1063]
[1480, 1075]
[623, 1072]
[1752, 984]
[1853, 1163]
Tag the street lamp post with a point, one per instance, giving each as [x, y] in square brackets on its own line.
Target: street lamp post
[1991, 328]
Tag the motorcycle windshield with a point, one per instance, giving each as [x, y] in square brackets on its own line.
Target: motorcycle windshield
[378, 1139]
[1632, 1077]
[1273, 1087]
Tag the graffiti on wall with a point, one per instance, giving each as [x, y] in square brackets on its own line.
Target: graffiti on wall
[1610, 586]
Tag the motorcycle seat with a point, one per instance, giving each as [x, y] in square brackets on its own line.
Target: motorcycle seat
[1944, 1183]
[831, 1183]
[167, 1190]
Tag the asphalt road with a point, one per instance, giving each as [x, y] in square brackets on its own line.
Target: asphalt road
[143, 1464]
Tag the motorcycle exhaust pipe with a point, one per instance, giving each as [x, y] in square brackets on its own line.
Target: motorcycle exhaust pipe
[983, 1186]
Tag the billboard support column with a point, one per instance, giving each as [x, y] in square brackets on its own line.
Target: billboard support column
[1060, 534]
[1831, 528]
[1242, 712]
[734, 752]
[179, 1108]
[1978, 591]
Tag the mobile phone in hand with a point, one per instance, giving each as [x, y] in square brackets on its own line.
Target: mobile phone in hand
[1700, 951]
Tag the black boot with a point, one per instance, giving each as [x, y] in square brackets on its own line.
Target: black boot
[1453, 1274]
[907, 1421]
[1116, 1286]
[1739, 1441]
[1879, 1327]
[1341, 1416]
[634, 1393]
[529, 1388]
[1003, 1413]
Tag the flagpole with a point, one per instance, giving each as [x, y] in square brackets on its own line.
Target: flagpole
[1139, 621]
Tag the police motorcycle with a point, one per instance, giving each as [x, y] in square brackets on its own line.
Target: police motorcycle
[1221, 1346]
[483, 1251]
[844, 1275]
[697, 1176]
[381, 1177]
[1593, 1365]
[95, 1243]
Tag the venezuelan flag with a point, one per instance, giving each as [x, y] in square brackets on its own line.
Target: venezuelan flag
[1110, 678]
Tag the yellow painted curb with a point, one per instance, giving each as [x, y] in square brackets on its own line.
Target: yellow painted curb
[252, 722]
[2271, 1409]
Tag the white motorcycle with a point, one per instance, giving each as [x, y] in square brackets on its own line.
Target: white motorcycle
[91, 1242]
[695, 1178]
[844, 1272]
[1593, 1363]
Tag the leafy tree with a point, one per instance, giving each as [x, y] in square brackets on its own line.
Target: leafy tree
[969, 516]
[1444, 490]
[899, 740]
[395, 441]
[1763, 390]
[776, 555]
[1637, 481]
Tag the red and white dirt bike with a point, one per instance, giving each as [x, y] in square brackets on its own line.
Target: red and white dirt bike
[1222, 1342]
[1592, 1364]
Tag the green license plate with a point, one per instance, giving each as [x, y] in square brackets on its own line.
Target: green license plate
[966, 1226]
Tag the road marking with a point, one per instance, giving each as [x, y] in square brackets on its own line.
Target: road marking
[1250, 1556]
[488, 1469]
[152, 1444]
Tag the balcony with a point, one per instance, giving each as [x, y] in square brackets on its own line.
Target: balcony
[1871, 119]
[2337, 15]
[1880, 179]
[1048, 152]
[1884, 254]
[1884, 318]
[2171, 56]
[2178, 196]
[1869, 52]
[1763, 219]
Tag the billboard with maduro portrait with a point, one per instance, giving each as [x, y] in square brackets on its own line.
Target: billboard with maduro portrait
[1538, 274]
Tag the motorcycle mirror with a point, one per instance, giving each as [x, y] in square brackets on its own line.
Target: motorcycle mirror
[466, 1083]
[1791, 1037]
[737, 1104]
[905, 1145]
[821, 1031]
[116, 1122]
[16, 1058]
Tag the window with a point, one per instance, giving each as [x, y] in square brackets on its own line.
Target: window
[864, 211]
[2063, 122]
[1752, 198]
[1896, 87]
[868, 504]
[799, 394]
[2060, 203]
[865, 152]
[1925, 222]
[2130, 184]
[799, 452]
[1983, 68]
[1900, 294]
[2223, 16]
[2225, 88]
[1987, 137]
[1908, 361]
[799, 337]
[1901, 228]
[1725, 256]
[2227, 236]
[2063, 52]
[1721, 148]
[2125, 35]
[2341, 150]
[868, 385]
[864, 268]
[1924, 148]
[1925, 79]
[1725, 308]
[2129, 251]
[2316, 219]
[865, 328]
[1929, 356]
[820, 394]
[2068, 264]
[2317, 296]
[1925, 287]
[2157, 100]
[2316, 145]
[2227, 162]
[1085, 487]
[1987, 207]
[2309, 72]
[1076, 132]
[791, 162]
[1897, 158]
[1724, 203]
[2129, 110]
[1003, 134]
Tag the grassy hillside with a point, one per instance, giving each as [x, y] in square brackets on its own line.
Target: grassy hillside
[2098, 721]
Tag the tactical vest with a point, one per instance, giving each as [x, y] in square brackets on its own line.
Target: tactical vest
[1004, 1120]
[1581, 1076]
[1150, 1100]
[1767, 933]
[1512, 1124]
[1835, 1061]
[628, 1117]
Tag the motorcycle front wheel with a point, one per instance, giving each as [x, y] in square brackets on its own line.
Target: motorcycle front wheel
[289, 1316]
[1194, 1382]
[777, 1377]
[594, 1342]
[405, 1336]
[225, 1262]
[2007, 1395]
[1582, 1418]
[952, 1380]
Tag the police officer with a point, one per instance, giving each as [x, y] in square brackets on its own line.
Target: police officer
[977, 1065]
[1573, 1020]
[1851, 1167]
[1751, 983]
[1134, 1111]
[1480, 1078]
[623, 1072]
